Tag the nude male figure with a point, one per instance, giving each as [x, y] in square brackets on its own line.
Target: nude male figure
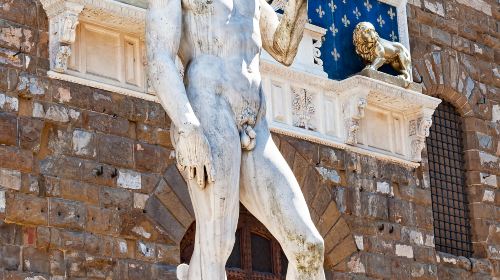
[223, 145]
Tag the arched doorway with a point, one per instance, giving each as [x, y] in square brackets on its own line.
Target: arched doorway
[256, 254]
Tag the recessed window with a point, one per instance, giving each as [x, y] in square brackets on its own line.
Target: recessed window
[256, 253]
[447, 180]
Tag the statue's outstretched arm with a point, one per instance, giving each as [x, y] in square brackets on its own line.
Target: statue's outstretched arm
[281, 38]
[163, 33]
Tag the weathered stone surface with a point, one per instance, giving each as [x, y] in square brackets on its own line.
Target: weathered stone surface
[26, 209]
[169, 199]
[8, 129]
[462, 54]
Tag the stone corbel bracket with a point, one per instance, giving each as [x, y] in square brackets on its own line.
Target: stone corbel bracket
[418, 130]
[63, 20]
[353, 110]
[64, 16]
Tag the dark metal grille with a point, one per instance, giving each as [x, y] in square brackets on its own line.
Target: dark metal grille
[447, 179]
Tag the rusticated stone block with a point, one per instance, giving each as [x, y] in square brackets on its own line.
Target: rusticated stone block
[179, 186]
[99, 244]
[374, 205]
[145, 251]
[101, 220]
[26, 209]
[138, 225]
[149, 113]
[10, 179]
[67, 214]
[90, 171]
[166, 272]
[84, 144]
[150, 158]
[169, 199]
[67, 240]
[30, 130]
[160, 214]
[57, 263]
[376, 266]
[162, 138]
[107, 124]
[36, 260]
[10, 234]
[75, 264]
[402, 212]
[108, 147]
[10, 257]
[137, 270]
[124, 248]
[336, 235]
[62, 167]
[8, 129]
[99, 268]
[328, 218]
[117, 199]
[168, 254]
[342, 251]
[79, 191]
[14, 158]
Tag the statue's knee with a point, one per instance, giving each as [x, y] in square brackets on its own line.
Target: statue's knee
[317, 246]
[312, 254]
[228, 244]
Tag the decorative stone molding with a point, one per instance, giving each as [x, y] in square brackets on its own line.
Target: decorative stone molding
[419, 130]
[63, 20]
[302, 108]
[122, 19]
[353, 109]
[362, 114]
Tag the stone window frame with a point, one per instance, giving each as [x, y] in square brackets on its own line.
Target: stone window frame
[444, 77]
[461, 241]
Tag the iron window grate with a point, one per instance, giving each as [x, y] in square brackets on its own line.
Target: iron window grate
[447, 179]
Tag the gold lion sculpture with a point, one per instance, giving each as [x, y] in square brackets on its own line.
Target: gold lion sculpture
[376, 51]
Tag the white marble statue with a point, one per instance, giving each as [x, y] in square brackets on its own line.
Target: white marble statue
[223, 145]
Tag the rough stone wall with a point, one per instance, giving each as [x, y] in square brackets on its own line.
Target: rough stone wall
[76, 168]
[455, 47]
[88, 188]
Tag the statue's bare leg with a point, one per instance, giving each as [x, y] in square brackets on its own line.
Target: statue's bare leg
[271, 193]
[217, 205]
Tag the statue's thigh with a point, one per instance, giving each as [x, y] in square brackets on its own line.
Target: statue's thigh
[271, 193]
[217, 121]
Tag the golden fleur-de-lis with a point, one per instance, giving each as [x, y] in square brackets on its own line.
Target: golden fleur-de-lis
[320, 11]
[332, 6]
[334, 29]
[380, 21]
[368, 5]
[335, 54]
[391, 14]
[346, 21]
[356, 13]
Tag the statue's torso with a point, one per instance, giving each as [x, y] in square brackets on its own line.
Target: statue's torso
[220, 45]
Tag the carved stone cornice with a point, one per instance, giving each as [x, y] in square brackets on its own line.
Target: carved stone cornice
[340, 112]
[108, 12]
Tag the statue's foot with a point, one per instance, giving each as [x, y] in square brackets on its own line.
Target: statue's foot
[182, 271]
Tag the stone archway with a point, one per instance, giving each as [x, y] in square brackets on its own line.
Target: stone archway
[446, 77]
[169, 204]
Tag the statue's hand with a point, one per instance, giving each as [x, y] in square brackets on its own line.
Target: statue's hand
[194, 154]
